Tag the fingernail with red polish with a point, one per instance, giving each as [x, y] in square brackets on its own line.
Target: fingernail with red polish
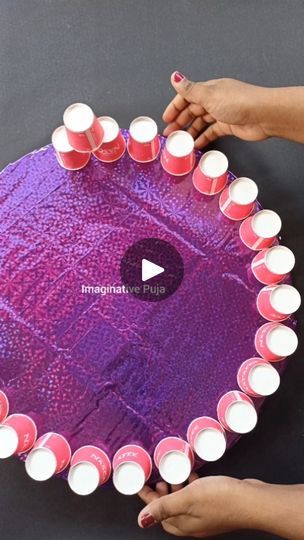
[178, 77]
[147, 521]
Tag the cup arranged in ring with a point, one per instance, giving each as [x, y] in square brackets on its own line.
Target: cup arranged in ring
[207, 438]
[113, 145]
[67, 157]
[258, 378]
[272, 265]
[275, 341]
[90, 467]
[278, 302]
[211, 174]
[174, 459]
[50, 455]
[143, 141]
[238, 198]
[84, 131]
[18, 433]
[132, 468]
[260, 230]
[236, 412]
[177, 157]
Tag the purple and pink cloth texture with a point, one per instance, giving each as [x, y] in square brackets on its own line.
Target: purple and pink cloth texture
[112, 370]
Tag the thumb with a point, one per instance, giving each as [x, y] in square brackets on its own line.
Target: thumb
[194, 92]
[161, 509]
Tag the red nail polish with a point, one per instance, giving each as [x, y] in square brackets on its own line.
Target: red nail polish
[147, 521]
[178, 77]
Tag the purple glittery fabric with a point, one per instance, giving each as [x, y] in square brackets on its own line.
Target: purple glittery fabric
[111, 370]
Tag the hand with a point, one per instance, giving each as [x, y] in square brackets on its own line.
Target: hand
[212, 109]
[207, 506]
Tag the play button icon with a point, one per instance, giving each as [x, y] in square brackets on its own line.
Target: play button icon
[151, 269]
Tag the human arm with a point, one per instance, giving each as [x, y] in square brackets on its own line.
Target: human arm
[215, 108]
[219, 504]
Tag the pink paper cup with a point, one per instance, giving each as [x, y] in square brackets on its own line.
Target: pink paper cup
[143, 142]
[17, 435]
[275, 341]
[260, 231]
[236, 412]
[272, 265]
[84, 131]
[90, 468]
[177, 157]
[132, 468]
[4, 406]
[67, 157]
[114, 145]
[50, 455]
[278, 302]
[174, 459]
[207, 438]
[258, 378]
[211, 174]
[237, 200]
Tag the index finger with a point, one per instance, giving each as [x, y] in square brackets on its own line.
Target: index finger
[148, 495]
[174, 108]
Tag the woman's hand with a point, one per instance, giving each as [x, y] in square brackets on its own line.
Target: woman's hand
[218, 504]
[206, 507]
[212, 109]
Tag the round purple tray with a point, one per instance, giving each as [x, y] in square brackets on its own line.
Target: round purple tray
[112, 370]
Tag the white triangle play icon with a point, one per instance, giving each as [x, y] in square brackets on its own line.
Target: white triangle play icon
[150, 269]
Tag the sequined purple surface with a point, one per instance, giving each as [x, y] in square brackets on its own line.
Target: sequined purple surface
[111, 370]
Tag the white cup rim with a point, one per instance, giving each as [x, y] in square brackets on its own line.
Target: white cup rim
[144, 119]
[82, 129]
[283, 249]
[273, 350]
[241, 402]
[174, 452]
[254, 187]
[187, 460]
[79, 463]
[115, 472]
[181, 133]
[294, 291]
[14, 432]
[221, 155]
[41, 449]
[276, 216]
[268, 366]
[68, 148]
[218, 431]
[115, 124]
